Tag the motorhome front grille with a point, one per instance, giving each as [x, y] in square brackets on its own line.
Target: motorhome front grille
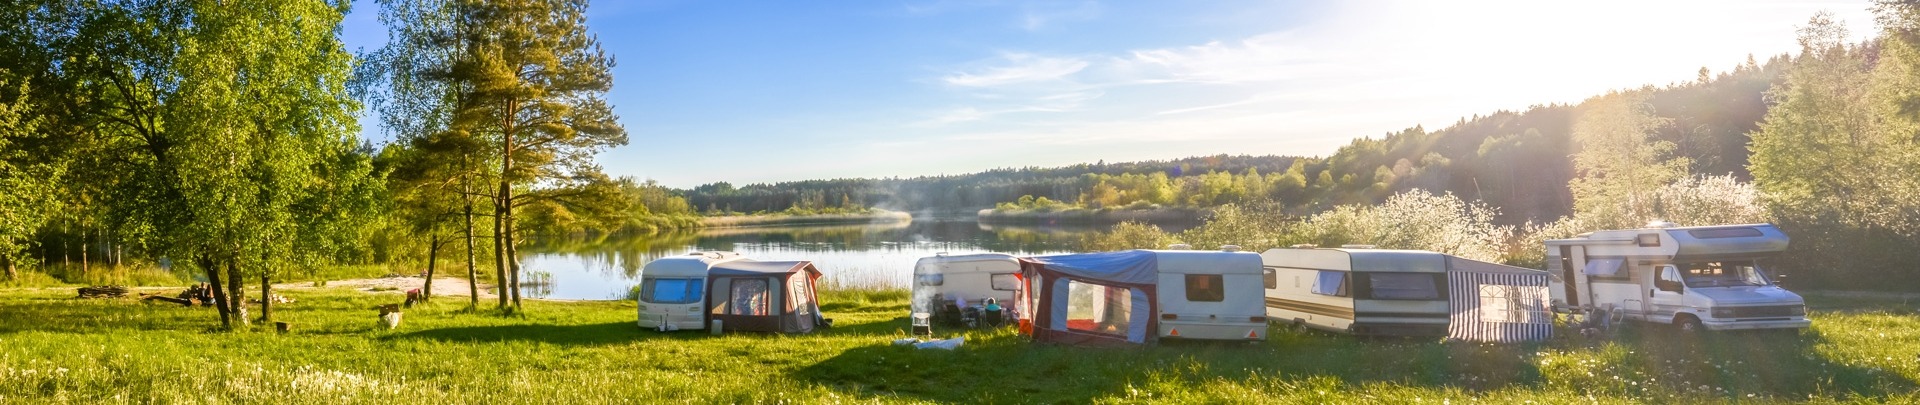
[1766, 311]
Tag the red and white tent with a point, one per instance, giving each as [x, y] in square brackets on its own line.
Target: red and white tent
[1101, 299]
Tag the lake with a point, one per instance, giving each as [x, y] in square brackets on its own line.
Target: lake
[879, 255]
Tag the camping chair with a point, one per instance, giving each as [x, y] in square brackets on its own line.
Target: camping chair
[950, 314]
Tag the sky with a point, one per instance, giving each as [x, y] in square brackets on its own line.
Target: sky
[753, 92]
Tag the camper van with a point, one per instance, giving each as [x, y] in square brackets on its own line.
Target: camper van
[1378, 292]
[1695, 278]
[1136, 296]
[673, 290]
[944, 285]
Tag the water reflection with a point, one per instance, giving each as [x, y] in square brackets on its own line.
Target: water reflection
[856, 255]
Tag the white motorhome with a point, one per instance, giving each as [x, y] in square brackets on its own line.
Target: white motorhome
[963, 281]
[1703, 277]
[673, 290]
[1210, 295]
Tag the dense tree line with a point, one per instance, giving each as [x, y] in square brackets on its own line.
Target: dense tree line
[959, 193]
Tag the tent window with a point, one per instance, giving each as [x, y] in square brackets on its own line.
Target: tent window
[1402, 286]
[1509, 304]
[930, 280]
[1332, 283]
[1098, 309]
[750, 297]
[1004, 282]
[1205, 288]
[671, 290]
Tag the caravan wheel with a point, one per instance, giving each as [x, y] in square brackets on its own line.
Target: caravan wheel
[1299, 326]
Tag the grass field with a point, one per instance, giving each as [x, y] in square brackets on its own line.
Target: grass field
[54, 348]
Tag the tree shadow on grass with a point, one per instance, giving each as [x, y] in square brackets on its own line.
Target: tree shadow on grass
[580, 335]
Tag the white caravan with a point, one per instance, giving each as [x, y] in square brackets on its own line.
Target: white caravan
[1210, 295]
[673, 290]
[963, 281]
[1704, 277]
[1358, 291]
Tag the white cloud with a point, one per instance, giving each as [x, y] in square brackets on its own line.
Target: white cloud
[1017, 68]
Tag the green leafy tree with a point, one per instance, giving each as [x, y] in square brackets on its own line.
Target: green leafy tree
[1619, 165]
[533, 83]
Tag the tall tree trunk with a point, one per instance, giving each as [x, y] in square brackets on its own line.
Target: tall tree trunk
[433, 258]
[219, 296]
[473, 279]
[499, 257]
[84, 245]
[11, 274]
[513, 259]
[266, 299]
[236, 293]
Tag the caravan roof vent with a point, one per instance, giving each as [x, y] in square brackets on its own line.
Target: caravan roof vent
[1179, 246]
[1661, 224]
[1305, 246]
[1359, 247]
[1229, 248]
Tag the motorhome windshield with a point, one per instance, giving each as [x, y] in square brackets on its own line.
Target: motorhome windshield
[1735, 273]
[671, 290]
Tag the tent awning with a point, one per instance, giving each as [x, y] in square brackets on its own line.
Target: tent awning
[1132, 266]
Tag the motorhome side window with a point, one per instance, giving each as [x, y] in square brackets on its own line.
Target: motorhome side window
[930, 280]
[1205, 288]
[1332, 283]
[1735, 273]
[671, 290]
[1004, 282]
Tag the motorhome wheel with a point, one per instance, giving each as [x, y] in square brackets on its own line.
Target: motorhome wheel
[1688, 324]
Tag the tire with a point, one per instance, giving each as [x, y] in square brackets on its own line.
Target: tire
[1688, 325]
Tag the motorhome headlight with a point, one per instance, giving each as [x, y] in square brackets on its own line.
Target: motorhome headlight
[643, 307]
[1799, 310]
[1723, 312]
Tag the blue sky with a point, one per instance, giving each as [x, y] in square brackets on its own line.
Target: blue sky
[751, 92]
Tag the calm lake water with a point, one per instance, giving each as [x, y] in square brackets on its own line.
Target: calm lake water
[857, 255]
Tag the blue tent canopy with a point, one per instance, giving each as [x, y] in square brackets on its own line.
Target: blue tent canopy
[1132, 266]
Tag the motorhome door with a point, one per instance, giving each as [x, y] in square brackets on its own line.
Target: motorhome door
[1667, 295]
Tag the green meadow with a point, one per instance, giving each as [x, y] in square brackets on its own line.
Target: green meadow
[58, 349]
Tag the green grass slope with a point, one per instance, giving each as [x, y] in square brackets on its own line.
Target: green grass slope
[54, 348]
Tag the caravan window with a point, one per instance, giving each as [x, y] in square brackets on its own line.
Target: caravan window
[1098, 309]
[671, 290]
[1332, 283]
[930, 280]
[1004, 282]
[1272, 280]
[1205, 288]
[1403, 286]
